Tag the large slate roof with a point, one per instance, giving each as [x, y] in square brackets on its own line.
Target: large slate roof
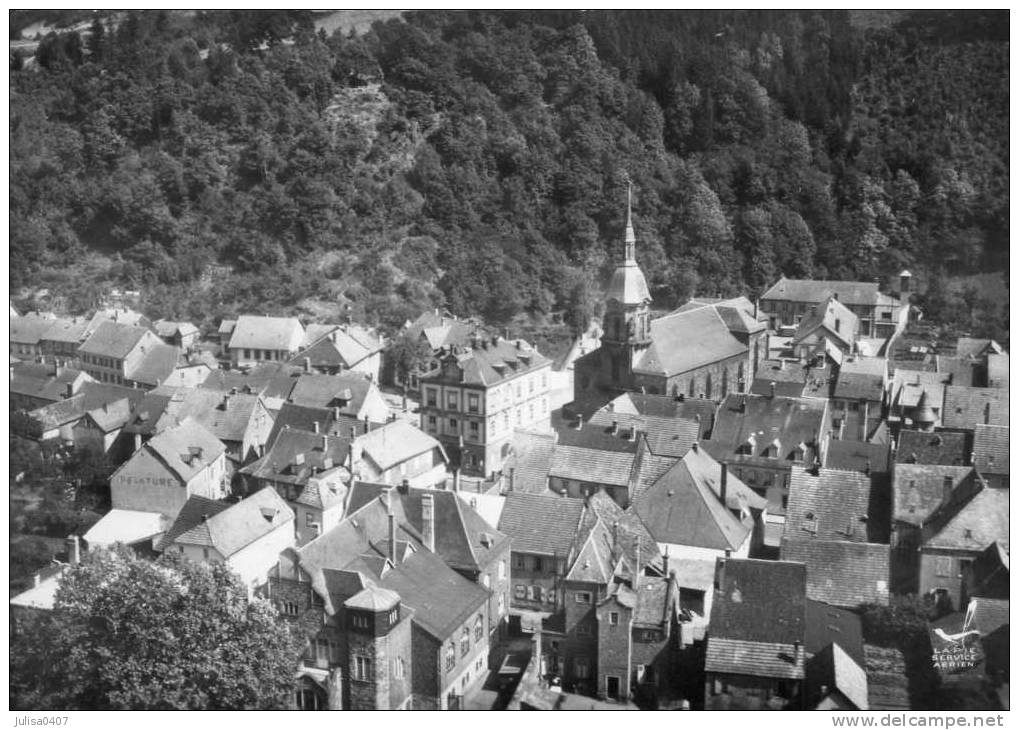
[540, 524]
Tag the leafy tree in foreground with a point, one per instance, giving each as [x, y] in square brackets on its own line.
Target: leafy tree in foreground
[127, 633]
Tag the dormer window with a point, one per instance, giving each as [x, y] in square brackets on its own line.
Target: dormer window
[748, 446]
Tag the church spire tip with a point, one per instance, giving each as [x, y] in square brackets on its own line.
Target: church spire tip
[630, 238]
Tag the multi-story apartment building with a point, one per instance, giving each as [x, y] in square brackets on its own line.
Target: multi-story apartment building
[479, 395]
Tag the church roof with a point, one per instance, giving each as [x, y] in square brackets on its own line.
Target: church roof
[628, 285]
[672, 334]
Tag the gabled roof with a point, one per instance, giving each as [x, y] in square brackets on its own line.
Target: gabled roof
[90, 395]
[665, 436]
[834, 505]
[167, 329]
[627, 526]
[329, 420]
[291, 446]
[462, 537]
[539, 524]
[976, 347]
[118, 315]
[159, 361]
[334, 346]
[530, 461]
[396, 442]
[684, 507]
[226, 415]
[43, 381]
[670, 353]
[793, 421]
[919, 489]
[835, 669]
[271, 380]
[656, 600]
[759, 601]
[596, 465]
[909, 385]
[701, 410]
[345, 390]
[29, 329]
[989, 573]
[267, 333]
[861, 378]
[234, 528]
[789, 377]
[971, 519]
[186, 449]
[997, 370]
[441, 329]
[840, 572]
[832, 316]
[827, 624]
[111, 416]
[114, 339]
[860, 293]
[966, 407]
[595, 559]
[441, 599]
[946, 448]
[194, 512]
[70, 330]
[858, 456]
[990, 449]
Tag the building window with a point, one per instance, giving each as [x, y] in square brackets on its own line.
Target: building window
[502, 604]
[454, 425]
[474, 429]
[432, 423]
[473, 403]
[309, 519]
[486, 581]
[465, 641]
[362, 668]
[614, 618]
[450, 656]
[479, 627]
[359, 622]
[537, 564]
[247, 354]
[520, 591]
[430, 397]
[534, 593]
[582, 597]
[399, 668]
[943, 567]
[394, 616]
[290, 608]
[502, 569]
[581, 668]
[518, 562]
[451, 401]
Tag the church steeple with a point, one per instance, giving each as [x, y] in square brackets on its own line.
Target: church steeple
[630, 255]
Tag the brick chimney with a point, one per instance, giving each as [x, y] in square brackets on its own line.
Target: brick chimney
[428, 520]
[307, 364]
[724, 484]
[798, 655]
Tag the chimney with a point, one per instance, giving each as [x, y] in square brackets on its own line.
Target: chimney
[695, 447]
[771, 387]
[73, 550]
[366, 424]
[512, 474]
[946, 489]
[36, 580]
[798, 653]
[353, 433]
[987, 412]
[336, 413]
[724, 484]
[68, 391]
[633, 433]
[905, 286]
[317, 429]
[428, 521]
[392, 536]
[456, 480]
[615, 427]
[580, 423]
[665, 561]
[307, 364]
[325, 442]
[404, 487]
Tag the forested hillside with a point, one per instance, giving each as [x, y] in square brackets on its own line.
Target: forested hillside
[478, 160]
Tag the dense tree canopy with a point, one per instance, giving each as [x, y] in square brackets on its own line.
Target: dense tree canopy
[760, 143]
[130, 634]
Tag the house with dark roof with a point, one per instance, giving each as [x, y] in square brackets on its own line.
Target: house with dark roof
[100, 427]
[697, 512]
[964, 408]
[760, 438]
[118, 315]
[942, 448]
[870, 458]
[247, 536]
[37, 384]
[997, 370]
[116, 352]
[755, 655]
[789, 301]
[311, 472]
[835, 682]
[255, 339]
[389, 624]
[353, 393]
[858, 397]
[838, 526]
[57, 420]
[638, 353]
[700, 410]
[458, 534]
[526, 468]
[439, 331]
[332, 349]
[990, 453]
[969, 519]
[27, 332]
[988, 574]
[781, 376]
[63, 338]
[591, 457]
[479, 395]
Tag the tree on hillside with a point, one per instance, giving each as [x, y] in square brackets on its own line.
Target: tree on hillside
[129, 634]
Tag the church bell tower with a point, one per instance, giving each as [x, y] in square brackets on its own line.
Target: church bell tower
[627, 322]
